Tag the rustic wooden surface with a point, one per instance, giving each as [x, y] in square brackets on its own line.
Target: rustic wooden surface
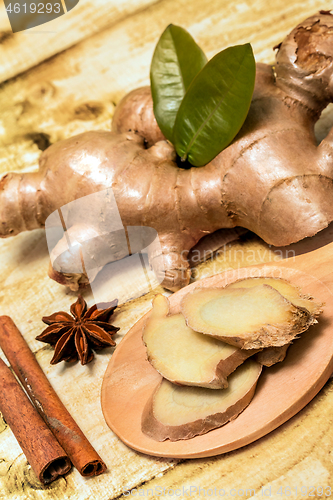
[77, 90]
[25, 49]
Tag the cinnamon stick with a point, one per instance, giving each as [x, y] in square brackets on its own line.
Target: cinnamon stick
[42, 450]
[46, 401]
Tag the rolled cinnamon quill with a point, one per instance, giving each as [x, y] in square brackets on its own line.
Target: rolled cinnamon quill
[42, 450]
[82, 454]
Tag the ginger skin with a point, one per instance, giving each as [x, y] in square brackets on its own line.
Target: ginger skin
[273, 179]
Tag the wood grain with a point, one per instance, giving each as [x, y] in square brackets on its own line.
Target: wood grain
[23, 50]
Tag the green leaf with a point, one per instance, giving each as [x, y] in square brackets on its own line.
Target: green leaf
[176, 61]
[215, 105]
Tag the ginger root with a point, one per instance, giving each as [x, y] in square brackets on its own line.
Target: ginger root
[272, 179]
[272, 355]
[186, 357]
[176, 412]
[249, 318]
[287, 289]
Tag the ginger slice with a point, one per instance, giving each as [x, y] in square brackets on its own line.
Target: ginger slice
[287, 289]
[184, 356]
[272, 355]
[250, 318]
[175, 412]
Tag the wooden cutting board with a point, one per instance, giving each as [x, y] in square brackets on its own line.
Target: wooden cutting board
[282, 390]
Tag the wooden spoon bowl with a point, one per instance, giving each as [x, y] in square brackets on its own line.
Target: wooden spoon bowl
[282, 390]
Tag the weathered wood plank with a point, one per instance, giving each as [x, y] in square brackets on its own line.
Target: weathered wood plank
[26, 294]
[76, 91]
[23, 50]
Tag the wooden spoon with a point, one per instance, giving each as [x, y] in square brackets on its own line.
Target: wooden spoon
[282, 390]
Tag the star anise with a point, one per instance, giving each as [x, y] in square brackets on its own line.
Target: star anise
[74, 337]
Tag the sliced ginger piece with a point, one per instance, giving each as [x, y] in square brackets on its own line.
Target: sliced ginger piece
[250, 318]
[287, 289]
[175, 412]
[272, 355]
[184, 356]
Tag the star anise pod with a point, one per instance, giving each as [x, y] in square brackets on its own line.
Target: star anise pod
[74, 337]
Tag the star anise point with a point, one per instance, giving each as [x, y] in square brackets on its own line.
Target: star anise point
[75, 337]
